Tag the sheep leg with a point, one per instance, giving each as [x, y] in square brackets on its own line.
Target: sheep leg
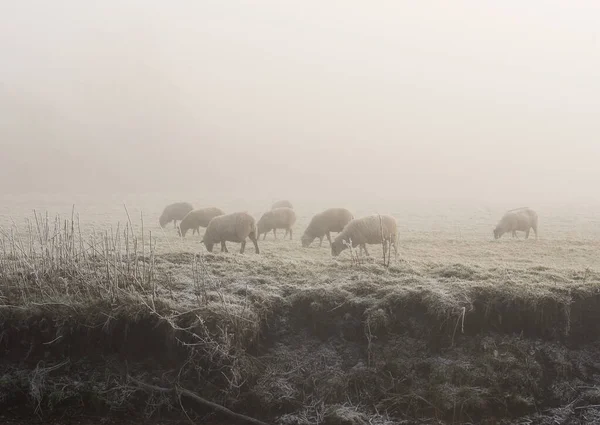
[264, 237]
[223, 247]
[527, 234]
[535, 230]
[290, 232]
[328, 238]
[321, 242]
[364, 247]
[275, 233]
[243, 246]
[255, 242]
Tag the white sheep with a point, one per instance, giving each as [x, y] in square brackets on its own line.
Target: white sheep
[373, 229]
[235, 227]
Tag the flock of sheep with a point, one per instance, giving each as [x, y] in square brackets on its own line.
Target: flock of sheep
[374, 229]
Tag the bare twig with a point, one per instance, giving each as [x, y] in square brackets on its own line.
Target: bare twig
[179, 391]
[589, 406]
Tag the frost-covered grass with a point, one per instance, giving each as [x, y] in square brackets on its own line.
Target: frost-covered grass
[457, 327]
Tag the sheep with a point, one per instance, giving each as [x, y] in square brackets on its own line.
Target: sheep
[520, 219]
[282, 204]
[279, 218]
[198, 218]
[174, 212]
[330, 220]
[373, 229]
[235, 227]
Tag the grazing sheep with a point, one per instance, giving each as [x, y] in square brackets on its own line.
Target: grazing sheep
[282, 204]
[373, 229]
[330, 220]
[174, 212]
[520, 219]
[198, 218]
[235, 227]
[279, 218]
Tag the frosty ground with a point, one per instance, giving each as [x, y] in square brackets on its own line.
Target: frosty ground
[459, 329]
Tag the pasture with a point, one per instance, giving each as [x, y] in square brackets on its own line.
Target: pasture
[104, 311]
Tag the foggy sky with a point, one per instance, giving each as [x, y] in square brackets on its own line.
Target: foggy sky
[294, 99]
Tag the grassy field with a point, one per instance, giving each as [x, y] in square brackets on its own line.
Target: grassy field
[459, 329]
[428, 231]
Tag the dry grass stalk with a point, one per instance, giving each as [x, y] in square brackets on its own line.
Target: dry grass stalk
[354, 253]
[53, 259]
[386, 245]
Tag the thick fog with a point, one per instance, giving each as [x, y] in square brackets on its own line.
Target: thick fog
[402, 99]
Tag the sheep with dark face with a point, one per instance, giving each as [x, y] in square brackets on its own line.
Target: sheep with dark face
[323, 223]
[279, 218]
[282, 204]
[517, 220]
[235, 227]
[373, 229]
[198, 218]
[174, 212]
